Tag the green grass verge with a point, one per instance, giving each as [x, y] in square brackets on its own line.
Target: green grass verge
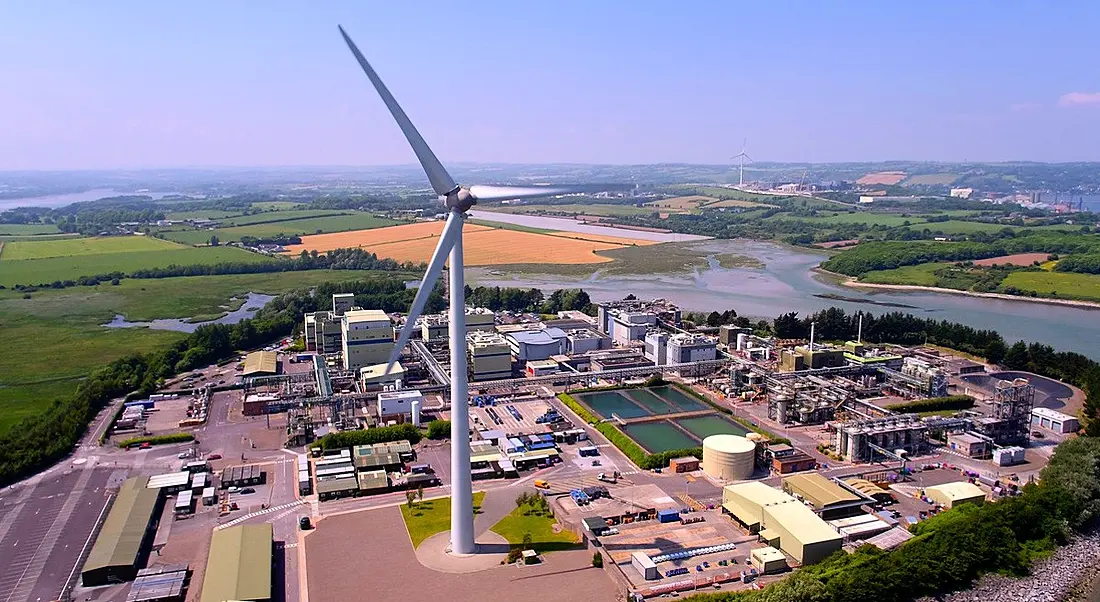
[45, 271]
[527, 521]
[157, 439]
[424, 519]
[70, 247]
[916, 275]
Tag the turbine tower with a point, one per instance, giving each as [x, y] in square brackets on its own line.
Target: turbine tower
[457, 200]
[742, 156]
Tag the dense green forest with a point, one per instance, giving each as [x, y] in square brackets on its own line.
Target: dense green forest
[532, 299]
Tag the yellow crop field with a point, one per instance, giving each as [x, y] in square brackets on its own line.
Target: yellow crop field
[682, 202]
[482, 245]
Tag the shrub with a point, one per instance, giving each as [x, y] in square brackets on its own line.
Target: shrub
[381, 434]
[934, 404]
[439, 429]
[157, 439]
[597, 560]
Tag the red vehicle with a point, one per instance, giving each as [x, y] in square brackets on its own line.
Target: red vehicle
[145, 445]
[214, 457]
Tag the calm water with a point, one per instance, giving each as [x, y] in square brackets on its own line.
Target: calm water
[786, 283]
[252, 304]
[54, 201]
[660, 436]
[571, 225]
[606, 403]
[705, 426]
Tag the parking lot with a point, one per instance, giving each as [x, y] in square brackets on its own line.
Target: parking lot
[528, 410]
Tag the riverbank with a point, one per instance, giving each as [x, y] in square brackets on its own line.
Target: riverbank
[852, 282]
[1069, 574]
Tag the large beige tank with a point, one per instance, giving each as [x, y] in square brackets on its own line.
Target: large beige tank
[728, 457]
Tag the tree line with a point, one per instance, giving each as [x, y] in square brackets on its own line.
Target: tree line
[38, 441]
[527, 300]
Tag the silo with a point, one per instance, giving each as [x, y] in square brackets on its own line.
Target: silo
[415, 412]
[728, 457]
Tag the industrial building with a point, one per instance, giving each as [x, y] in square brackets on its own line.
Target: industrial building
[684, 348]
[542, 344]
[1010, 415]
[781, 520]
[1008, 456]
[969, 445]
[828, 498]
[1052, 420]
[170, 482]
[367, 338]
[584, 340]
[727, 334]
[123, 542]
[400, 405]
[782, 459]
[617, 360]
[541, 368]
[684, 464]
[656, 347]
[933, 379]
[437, 327]
[869, 489]
[322, 330]
[261, 363]
[241, 476]
[950, 495]
[375, 378]
[342, 303]
[159, 584]
[769, 559]
[490, 356]
[802, 358]
[857, 440]
[626, 321]
[239, 565]
[728, 457]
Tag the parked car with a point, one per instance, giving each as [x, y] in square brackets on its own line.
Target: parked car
[247, 490]
[233, 489]
[214, 457]
[304, 524]
[145, 445]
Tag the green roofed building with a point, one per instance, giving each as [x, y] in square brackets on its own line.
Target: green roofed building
[239, 566]
[127, 534]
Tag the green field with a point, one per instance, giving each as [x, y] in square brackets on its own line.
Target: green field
[277, 216]
[578, 209]
[429, 517]
[917, 275]
[61, 337]
[27, 229]
[961, 227]
[204, 214]
[44, 271]
[1062, 285]
[72, 247]
[870, 219]
[332, 223]
[275, 205]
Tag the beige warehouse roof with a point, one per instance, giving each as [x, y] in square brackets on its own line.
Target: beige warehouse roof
[957, 491]
[818, 490]
[802, 522]
[119, 541]
[239, 567]
[261, 362]
[746, 500]
[866, 487]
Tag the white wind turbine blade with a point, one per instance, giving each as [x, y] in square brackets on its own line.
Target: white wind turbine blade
[441, 181]
[447, 239]
[503, 193]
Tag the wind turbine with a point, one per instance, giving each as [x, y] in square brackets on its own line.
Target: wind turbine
[742, 156]
[457, 200]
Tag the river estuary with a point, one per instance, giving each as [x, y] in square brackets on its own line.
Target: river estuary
[787, 282]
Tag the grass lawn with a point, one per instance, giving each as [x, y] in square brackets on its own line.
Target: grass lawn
[870, 219]
[27, 229]
[44, 271]
[524, 520]
[918, 275]
[1062, 285]
[295, 227]
[278, 216]
[276, 205]
[204, 214]
[61, 337]
[429, 517]
[69, 247]
[961, 227]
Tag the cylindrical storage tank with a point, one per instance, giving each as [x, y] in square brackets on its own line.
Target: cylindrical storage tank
[415, 412]
[728, 457]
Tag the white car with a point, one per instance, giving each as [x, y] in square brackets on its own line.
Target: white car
[233, 489]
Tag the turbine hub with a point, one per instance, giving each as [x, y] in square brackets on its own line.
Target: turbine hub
[459, 200]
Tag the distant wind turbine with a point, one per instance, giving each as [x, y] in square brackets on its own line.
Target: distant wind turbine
[742, 156]
[457, 200]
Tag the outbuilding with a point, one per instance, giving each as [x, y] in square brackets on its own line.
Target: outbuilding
[769, 559]
[644, 565]
[239, 565]
[127, 533]
[1052, 420]
[827, 497]
[950, 495]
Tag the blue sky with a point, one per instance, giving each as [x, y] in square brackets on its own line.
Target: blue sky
[154, 84]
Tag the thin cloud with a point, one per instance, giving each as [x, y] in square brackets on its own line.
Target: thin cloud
[1023, 107]
[1076, 99]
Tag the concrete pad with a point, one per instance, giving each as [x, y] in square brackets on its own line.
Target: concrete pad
[434, 553]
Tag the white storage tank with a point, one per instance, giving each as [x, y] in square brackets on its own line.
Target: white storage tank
[416, 412]
[728, 457]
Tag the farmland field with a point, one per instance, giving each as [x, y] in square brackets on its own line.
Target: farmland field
[62, 328]
[203, 214]
[47, 270]
[71, 247]
[296, 227]
[931, 179]
[576, 209]
[1017, 259]
[869, 219]
[918, 275]
[1062, 285]
[277, 216]
[483, 245]
[27, 229]
[683, 202]
[735, 203]
[887, 178]
[961, 227]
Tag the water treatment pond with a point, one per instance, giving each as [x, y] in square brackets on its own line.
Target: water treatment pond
[636, 403]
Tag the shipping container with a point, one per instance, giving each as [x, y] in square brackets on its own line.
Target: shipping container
[668, 516]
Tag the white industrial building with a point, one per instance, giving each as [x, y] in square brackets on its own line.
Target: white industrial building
[367, 338]
[438, 326]
[490, 356]
[1054, 421]
[405, 404]
[584, 340]
[374, 377]
[656, 347]
[663, 348]
[532, 345]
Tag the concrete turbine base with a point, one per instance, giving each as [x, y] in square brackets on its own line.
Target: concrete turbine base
[435, 553]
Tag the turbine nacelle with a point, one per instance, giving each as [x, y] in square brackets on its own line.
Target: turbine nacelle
[460, 199]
